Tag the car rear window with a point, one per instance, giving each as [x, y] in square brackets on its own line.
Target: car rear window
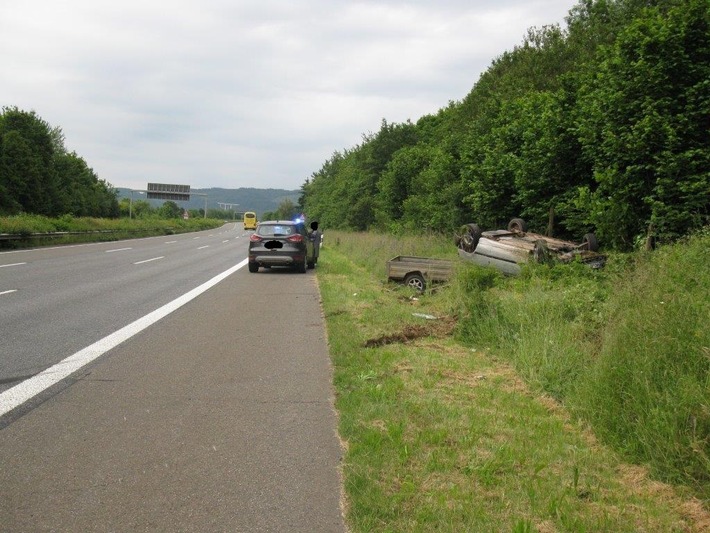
[275, 230]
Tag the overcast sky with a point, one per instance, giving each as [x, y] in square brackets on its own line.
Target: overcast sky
[244, 93]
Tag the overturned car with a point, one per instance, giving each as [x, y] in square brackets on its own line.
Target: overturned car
[507, 249]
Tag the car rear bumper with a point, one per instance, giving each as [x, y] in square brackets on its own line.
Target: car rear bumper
[276, 259]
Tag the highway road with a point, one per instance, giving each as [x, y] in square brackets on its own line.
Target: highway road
[56, 301]
[156, 385]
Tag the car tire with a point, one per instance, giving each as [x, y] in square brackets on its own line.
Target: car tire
[590, 242]
[311, 264]
[517, 225]
[253, 267]
[301, 267]
[468, 237]
[458, 236]
[415, 281]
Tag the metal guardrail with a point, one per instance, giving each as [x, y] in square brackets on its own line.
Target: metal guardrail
[57, 234]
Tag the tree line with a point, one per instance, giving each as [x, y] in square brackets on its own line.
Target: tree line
[144, 210]
[602, 126]
[39, 175]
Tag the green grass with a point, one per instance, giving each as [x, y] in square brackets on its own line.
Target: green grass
[93, 229]
[477, 425]
[648, 389]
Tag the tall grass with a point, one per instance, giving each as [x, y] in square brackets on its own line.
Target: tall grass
[547, 322]
[441, 435]
[372, 250]
[647, 390]
[626, 348]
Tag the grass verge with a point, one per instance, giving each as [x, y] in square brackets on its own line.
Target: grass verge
[443, 435]
[37, 230]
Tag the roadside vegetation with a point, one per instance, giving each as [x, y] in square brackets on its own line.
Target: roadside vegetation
[599, 126]
[34, 230]
[565, 399]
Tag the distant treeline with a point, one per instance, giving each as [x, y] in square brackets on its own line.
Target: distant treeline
[603, 125]
[39, 176]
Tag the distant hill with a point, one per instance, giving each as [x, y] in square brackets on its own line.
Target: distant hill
[249, 199]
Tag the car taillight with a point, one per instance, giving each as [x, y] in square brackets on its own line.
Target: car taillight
[255, 238]
[295, 238]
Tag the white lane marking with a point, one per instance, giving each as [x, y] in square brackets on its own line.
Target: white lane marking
[118, 250]
[225, 241]
[203, 247]
[149, 260]
[170, 242]
[8, 292]
[12, 265]
[28, 250]
[195, 238]
[22, 392]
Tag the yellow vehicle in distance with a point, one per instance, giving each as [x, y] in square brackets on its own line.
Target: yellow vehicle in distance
[250, 220]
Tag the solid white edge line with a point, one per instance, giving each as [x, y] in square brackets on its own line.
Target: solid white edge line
[22, 392]
[8, 292]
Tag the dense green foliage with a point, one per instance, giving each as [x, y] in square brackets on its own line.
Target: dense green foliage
[602, 126]
[238, 200]
[286, 210]
[38, 175]
[143, 209]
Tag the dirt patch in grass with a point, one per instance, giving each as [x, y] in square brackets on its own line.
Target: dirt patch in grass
[440, 328]
[407, 334]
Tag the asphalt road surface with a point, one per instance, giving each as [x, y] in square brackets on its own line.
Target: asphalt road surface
[216, 417]
[56, 301]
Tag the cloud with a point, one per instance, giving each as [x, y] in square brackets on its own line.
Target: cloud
[224, 93]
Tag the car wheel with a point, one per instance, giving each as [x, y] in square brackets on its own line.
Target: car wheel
[301, 267]
[416, 281]
[253, 267]
[517, 225]
[468, 237]
[457, 237]
[311, 264]
[590, 242]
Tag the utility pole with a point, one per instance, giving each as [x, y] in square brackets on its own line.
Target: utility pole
[130, 204]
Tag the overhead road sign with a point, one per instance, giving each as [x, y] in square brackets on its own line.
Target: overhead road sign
[167, 191]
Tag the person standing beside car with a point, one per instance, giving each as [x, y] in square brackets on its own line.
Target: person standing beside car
[316, 236]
